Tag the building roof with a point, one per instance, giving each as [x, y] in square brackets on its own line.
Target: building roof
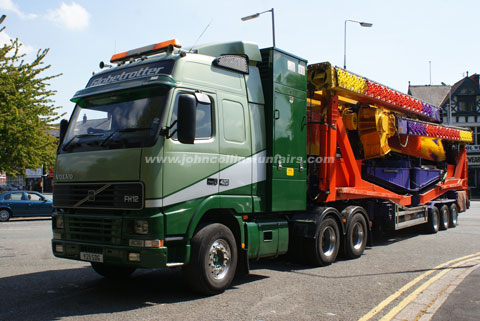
[468, 81]
[432, 94]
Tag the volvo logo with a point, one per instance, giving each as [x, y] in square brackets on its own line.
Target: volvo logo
[64, 176]
[91, 195]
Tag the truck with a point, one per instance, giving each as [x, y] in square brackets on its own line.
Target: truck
[209, 157]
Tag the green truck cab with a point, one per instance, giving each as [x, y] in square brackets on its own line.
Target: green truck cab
[166, 162]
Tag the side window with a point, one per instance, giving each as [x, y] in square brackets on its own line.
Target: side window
[233, 121]
[16, 196]
[33, 197]
[204, 120]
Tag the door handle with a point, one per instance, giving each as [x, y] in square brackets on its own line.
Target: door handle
[277, 114]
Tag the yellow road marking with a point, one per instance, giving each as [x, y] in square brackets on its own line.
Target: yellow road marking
[412, 296]
[407, 286]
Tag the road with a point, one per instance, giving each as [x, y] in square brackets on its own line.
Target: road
[36, 286]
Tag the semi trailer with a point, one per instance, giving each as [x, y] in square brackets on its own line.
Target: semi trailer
[223, 153]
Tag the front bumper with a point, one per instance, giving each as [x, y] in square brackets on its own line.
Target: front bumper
[113, 254]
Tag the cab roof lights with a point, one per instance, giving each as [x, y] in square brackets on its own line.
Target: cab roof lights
[146, 51]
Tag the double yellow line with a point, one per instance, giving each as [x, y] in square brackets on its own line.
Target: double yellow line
[412, 296]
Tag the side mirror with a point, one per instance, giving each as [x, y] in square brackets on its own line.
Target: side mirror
[63, 130]
[186, 120]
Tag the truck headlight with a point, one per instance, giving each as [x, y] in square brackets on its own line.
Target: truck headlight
[140, 227]
[59, 221]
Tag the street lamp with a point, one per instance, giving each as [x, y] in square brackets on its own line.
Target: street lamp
[256, 15]
[362, 24]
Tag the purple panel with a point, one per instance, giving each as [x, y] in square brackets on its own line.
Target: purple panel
[396, 176]
[411, 128]
[422, 177]
[402, 126]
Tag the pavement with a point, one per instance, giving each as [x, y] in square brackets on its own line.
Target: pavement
[464, 301]
[452, 294]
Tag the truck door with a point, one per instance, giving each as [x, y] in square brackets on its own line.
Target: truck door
[191, 170]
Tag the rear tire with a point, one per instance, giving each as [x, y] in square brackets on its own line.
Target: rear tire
[453, 215]
[112, 271]
[356, 238]
[444, 217]
[213, 260]
[324, 248]
[433, 224]
[4, 215]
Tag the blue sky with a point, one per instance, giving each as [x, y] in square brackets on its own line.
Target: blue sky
[405, 36]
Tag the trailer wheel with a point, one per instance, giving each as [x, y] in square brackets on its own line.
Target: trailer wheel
[324, 248]
[213, 260]
[356, 238]
[453, 215]
[112, 271]
[444, 217]
[433, 224]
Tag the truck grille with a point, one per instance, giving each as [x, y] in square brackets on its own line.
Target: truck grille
[101, 230]
[127, 196]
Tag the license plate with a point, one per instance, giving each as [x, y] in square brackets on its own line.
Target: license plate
[91, 257]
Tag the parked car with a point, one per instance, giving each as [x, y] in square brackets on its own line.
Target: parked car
[24, 203]
[8, 187]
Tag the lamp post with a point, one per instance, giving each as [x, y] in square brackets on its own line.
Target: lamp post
[256, 15]
[362, 24]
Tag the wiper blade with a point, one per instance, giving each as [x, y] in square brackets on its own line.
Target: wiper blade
[65, 146]
[123, 130]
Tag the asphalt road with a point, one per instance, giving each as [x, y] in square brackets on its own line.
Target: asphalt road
[36, 286]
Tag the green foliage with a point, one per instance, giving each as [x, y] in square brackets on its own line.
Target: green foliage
[27, 112]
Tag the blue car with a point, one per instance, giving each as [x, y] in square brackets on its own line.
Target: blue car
[24, 203]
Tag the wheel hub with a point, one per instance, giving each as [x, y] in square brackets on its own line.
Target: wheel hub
[4, 215]
[328, 241]
[219, 259]
[358, 236]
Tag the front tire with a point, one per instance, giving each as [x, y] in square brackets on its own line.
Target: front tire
[356, 238]
[4, 215]
[213, 260]
[444, 217]
[112, 271]
[324, 248]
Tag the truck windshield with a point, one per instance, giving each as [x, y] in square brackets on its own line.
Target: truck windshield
[118, 120]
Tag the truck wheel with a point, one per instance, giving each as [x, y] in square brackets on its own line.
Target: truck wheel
[112, 271]
[324, 248]
[4, 215]
[433, 224]
[453, 215]
[356, 238]
[213, 260]
[444, 217]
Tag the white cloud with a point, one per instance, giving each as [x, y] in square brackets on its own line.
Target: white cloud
[24, 49]
[73, 17]
[8, 5]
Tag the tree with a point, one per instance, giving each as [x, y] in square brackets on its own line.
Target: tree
[27, 111]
